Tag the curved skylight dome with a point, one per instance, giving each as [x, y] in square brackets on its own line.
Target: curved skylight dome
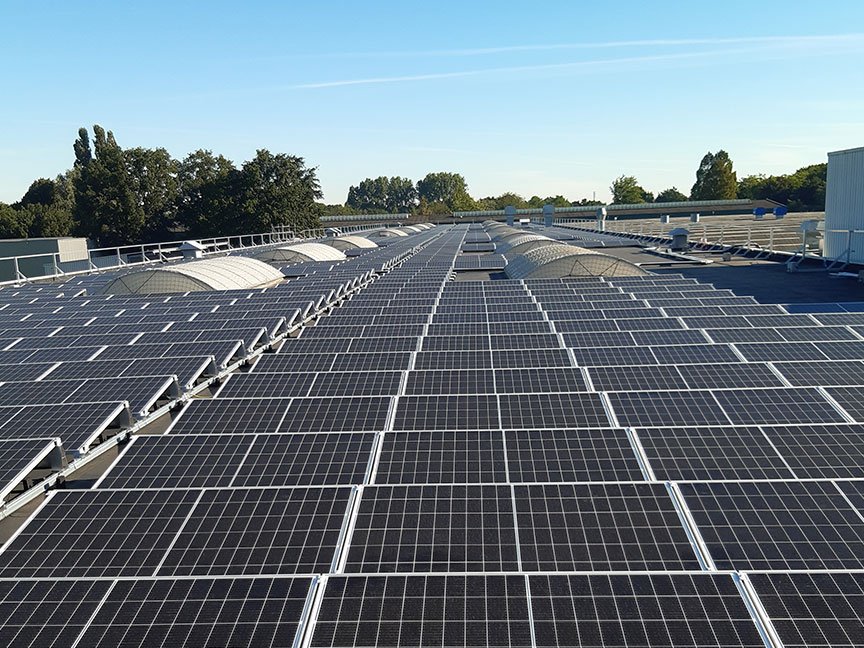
[223, 273]
[350, 242]
[301, 253]
[560, 260]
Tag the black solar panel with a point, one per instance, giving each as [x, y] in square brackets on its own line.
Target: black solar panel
[482, 611]
[570, 455]
[434, 528]
[679, 408]
[217, 613]
[601, 527]
[693, 453]
[267, 385]
[550, 411]
[777, 525]
[649, 611]
[468, 381]
[227, 416]
[766, 406]
[441, 457]
[817, 451]
[259, 531]
[816, 610]
[185, 461]
[97, 534]
[477, 412]
[306, 460]
[336, 414]
[47, 613]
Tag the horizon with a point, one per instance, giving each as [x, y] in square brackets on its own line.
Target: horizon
[647, 91]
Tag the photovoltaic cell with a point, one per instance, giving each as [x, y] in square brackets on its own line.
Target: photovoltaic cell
[777, 525]
[217, 613]
[37, 613]
[97, 534]
[817, 451]
[693, 453]
[185, 461]
[477, 412]
[815, 610]
[601, 527]
[648, 611]
[306, 460]
[259, 531]
[570, 455]
[434, 528]
[551, 411]
[424, 611]
[441, 457]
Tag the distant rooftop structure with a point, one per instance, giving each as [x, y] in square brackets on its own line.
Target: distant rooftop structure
[223, 273]
[301, 253]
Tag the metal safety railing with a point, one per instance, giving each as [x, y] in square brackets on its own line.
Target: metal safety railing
[125, 256]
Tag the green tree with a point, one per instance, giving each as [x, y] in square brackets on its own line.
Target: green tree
[153, 179]
[586, 202]
[14, 223]
[207, 194]
[626, 190]
[48, 206]
[715, 178]
[370, 196]
[277, 190]
[506, 199]
[106, 207]
[447, 188]
[401, 195]
[670, 195]
[803, 190]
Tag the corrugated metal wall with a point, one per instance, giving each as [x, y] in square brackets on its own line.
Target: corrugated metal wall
[844, 204]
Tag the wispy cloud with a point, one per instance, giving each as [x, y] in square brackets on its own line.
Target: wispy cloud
[650, 43]
[775, 46]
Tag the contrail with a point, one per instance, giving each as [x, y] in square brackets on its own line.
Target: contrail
[585, 66]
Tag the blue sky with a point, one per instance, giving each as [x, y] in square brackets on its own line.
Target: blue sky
[533, 97]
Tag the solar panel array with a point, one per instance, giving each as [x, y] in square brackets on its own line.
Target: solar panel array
[591, 462]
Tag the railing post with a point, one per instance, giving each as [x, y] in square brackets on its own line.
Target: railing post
[18, 274]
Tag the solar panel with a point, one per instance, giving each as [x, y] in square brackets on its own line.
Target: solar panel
[306, 460]
[461, 412]
[466, 381]
[633, 378]
[434, 528]
[336, 414]
[185, 461]
[552, 411]
[693, 453]
[47, 613]
[441, 457]
[531, 358]
[821, 451]
[259, 531]
[543, 380]
[815, 610]
[446, 610]
[645, 610]
[777, 525]
[825, 374]
[371, 362]
[78, 424]
[217, 613]
[267, 385]
[97, 534]
[227, 416]
[766, 406]
[372, 383]
[679, 408]
[600, 527]
[729, 375]
[570, 455]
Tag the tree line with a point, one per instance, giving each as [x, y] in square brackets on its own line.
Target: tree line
[716, 179]
[117, 196]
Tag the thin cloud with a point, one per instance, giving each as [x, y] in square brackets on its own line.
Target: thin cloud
[577, 66]
[547, 47]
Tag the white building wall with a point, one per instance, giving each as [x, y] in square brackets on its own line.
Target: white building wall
[844, 205]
